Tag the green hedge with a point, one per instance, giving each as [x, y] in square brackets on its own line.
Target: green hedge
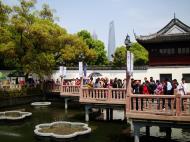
[23, 92]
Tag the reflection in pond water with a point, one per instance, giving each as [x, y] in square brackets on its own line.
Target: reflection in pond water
[102, 131]
[10, 134]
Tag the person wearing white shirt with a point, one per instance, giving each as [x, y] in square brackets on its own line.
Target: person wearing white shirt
[168, 92]
[182, 87]
[182, 90]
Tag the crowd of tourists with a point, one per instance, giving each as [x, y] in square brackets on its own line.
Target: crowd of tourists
[147, 86]
[142, 87]
[159, 87]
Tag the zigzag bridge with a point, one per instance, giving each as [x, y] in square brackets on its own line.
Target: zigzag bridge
[142, 110]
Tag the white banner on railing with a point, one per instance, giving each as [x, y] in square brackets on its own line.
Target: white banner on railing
[64, 71]
[61, 70]
[128, 61]
[132, 62]
[80, 69]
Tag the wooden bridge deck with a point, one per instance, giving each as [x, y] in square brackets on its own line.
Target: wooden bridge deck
[160, 117]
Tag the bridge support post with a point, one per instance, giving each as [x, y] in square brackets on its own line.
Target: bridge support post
[136, 133]
[125, 113]
[147, 130]
[66, 103]
[87, 113]
[107, 114]
[111, 113]
[168, 133]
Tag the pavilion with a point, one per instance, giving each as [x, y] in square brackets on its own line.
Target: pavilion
[169, 48]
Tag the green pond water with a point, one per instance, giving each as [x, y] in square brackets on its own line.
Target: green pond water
[102, 131]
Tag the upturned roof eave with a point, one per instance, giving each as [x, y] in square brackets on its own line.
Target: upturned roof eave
[176, 37]
[161, 32]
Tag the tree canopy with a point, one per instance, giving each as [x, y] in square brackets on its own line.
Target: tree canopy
[32, 41]
[140, 55]
[96, 45]
[119, 56]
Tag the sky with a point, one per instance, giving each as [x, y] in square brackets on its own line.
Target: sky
[141, 16]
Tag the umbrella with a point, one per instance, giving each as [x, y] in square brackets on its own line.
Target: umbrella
[2, 76]
[95, 74]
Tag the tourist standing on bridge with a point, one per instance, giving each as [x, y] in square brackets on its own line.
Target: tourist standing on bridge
[106, 84]
[136, 88]
[168, 87]
[182, 90]
[159, 88]
[168, 91]
[97, 83]
[115, 83]
[145, 88]
[151, 86]
[182, 87]
[124, 84]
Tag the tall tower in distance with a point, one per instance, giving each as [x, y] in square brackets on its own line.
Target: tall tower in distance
[111, 41]
[95, 36]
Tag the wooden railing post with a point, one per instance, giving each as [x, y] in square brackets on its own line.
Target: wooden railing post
[109, 94]
[61, 85]
[61, 89]
[128, 103]
[178, 104]
[80, 89]
[128, 92]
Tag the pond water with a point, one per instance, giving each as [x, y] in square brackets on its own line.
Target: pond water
[102, 131]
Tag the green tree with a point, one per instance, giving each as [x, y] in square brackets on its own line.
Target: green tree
[84, 34]
[120, 56]
[36, 44]
[97, 45]
[5, 10]
[42, 43]
[40, 63]
[28, 41]
[46, 13]
[140, 55]
[48, 37]
[7, 44]
[72, 48]
[22, 18]
[8, 55]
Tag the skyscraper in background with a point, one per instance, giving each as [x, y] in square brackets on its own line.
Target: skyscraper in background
[95, 36]
[111, 41]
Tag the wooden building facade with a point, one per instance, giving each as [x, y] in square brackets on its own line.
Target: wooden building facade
[170, 46]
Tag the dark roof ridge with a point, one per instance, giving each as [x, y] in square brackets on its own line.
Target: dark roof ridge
[174, 21]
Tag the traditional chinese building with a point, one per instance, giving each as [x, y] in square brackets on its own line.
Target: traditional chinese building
[169, 46]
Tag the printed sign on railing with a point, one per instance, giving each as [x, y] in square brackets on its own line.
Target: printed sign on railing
[80, 69]
[130, 59]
